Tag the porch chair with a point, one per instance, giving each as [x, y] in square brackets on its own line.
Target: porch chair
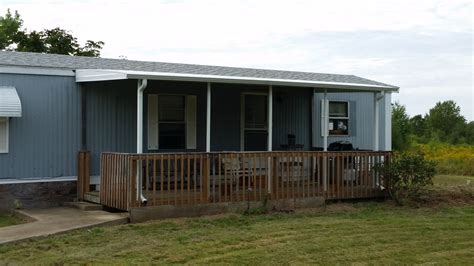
[235, 170]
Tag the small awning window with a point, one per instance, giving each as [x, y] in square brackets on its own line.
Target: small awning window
[10, 104]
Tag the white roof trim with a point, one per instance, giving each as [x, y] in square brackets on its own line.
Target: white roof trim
[36, 71]
[9, 181]
[10, 104]
[90, 75]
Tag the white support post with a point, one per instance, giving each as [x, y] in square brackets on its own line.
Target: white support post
[376, 121]
[388, 122]
[208, 118]
[270, 118]
[269, 137]
[325, 125]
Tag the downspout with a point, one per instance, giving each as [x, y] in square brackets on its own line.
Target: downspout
[377, 99]
[141, 87]
[380, 97]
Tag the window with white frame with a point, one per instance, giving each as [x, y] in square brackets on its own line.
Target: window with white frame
[3, 134]
[338, 118]
[172, 121]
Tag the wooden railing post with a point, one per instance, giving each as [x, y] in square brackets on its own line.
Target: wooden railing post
[83, 173]
[325, 174]
[133, 183]
[205, 182]
[269, 175]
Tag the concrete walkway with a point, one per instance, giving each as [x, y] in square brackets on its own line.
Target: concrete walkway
[58, 220]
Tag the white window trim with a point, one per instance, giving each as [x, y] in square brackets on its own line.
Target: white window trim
[341, 117]
[7, 135]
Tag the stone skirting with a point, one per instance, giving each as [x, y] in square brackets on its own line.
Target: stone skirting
[36, 195]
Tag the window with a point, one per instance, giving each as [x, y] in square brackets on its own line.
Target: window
[3, 134]
[255, 122]
[338, 118]
[255, 111]
[172, 121]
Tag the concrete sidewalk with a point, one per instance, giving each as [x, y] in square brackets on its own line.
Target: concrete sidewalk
[58, 220]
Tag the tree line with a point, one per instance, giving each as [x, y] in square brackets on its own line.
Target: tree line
[13, 37]
[443, 123]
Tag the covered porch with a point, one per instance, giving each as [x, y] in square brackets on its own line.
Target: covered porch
[214, 139]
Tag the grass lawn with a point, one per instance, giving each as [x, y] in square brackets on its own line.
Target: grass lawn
[367, 232]
[9, 219]
[453, 180]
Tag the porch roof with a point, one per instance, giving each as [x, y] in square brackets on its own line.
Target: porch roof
[89, 75]
[97, 69]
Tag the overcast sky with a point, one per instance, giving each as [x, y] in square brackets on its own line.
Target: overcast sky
[424, 47]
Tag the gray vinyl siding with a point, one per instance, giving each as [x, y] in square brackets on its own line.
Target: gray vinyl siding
[361, 121]
[45, 140]
[111, 118]
[226, 116]
[291, 115]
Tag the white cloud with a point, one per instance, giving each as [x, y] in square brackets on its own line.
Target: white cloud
[423, 46]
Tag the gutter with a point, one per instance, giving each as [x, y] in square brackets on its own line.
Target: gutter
[141, 87]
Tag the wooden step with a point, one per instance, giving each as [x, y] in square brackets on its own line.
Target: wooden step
[85, 206]
[92, 196]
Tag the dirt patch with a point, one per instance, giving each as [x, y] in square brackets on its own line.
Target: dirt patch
[440, 197]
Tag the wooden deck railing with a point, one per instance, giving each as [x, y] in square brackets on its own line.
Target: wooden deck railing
[192, 178]
[83, 173]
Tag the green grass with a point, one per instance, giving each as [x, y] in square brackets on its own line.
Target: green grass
[344, 233]
[9, 219]
[453, 180]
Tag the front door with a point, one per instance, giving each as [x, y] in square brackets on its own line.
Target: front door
[254, 123]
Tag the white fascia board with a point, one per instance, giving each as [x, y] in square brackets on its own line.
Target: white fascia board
[102, 74]
[36, 71]
[11, 181]
[89, 75]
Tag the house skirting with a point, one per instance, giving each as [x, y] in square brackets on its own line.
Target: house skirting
[36, 194]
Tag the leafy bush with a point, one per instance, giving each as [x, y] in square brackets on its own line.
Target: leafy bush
[407, 174]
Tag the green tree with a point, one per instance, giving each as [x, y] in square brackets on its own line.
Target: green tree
[52, 41]
[91, 48]
[445, 122]
[400, 127]
[470, 133]
[30, 42]
[59, 41]
[10, 24]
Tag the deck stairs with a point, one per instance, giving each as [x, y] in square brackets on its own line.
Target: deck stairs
[92, 196]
